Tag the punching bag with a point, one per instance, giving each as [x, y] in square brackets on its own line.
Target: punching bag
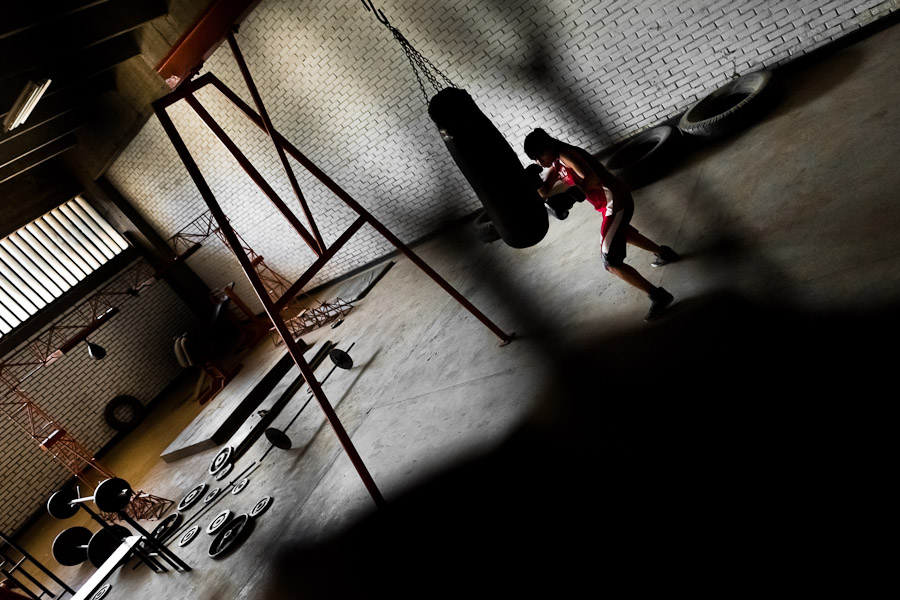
[491, 167]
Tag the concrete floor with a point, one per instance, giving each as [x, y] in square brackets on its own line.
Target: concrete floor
[737, 442]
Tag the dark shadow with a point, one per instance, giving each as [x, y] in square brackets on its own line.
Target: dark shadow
[749, 457]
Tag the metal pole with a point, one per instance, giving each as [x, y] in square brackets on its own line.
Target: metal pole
[353, 204]
[30, 558]
[291, 344]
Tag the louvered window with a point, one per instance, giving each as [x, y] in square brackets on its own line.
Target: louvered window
[42, 260]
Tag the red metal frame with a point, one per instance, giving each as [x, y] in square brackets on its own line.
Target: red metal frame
[274, 306]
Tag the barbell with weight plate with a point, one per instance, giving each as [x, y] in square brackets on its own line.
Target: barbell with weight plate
[188, 536]
[111, 495]
[239, 486]
[261, 506]
[75, 545]
[224, 471]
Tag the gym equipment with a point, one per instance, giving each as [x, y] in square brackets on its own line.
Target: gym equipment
[483, 155]
[110, 496]
[224, 471]
[217, 522]
[211, 495]
[220, 460]
[75, 545]
[237, 489]
[559, 205]
[261, 506]
[102, 592]
[188, 536]
[21, 560]
[167, 526]
[729, 108]
[278, 438]
[230, 536]
[192, 497]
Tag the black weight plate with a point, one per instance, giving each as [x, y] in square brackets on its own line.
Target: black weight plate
[220, 459]
[261, 506]
[101, 593]
[192, 497]
[104, 543]
[60, 504]
[70, 546]
[239, 487]
[230, 536]
[112, 495]
[167, 526]
[188, 536]
[340, 359]
[224, 471]
[220, 520]
[211, 495]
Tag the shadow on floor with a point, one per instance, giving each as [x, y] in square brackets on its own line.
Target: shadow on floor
[737, 446]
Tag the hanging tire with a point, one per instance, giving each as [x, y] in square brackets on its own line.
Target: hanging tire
[484, 228]
[124, 413]
[644, 157]
[728, 109]
[491, 167]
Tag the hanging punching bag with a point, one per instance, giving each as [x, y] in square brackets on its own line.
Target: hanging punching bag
[491, 167]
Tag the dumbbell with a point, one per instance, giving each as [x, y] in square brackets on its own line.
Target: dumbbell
[111, 495]
[75, 545]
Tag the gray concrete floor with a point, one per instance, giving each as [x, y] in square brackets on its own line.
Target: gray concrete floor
[596, 450]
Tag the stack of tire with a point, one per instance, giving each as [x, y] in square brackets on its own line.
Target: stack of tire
[730, 108]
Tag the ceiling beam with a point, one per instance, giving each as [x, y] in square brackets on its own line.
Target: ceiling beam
[62, 37]
[21, 16]
[201, 39]
[37, 157]
[21, 145]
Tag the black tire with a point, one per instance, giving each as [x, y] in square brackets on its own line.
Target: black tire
[643, 158]
[729, 108]
[484, 228]
[124, 413]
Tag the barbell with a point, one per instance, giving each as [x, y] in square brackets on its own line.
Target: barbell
[111, 495]
[75, 545]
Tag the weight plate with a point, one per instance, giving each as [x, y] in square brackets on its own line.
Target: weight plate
[104, 543]
[60, 504]
[230, 536]
[341, 359]
[220, 520]
[70, 546]
[192, 497]
[102, 592]
[211, 495]
[167, 526]
[262, 506]
[220, 460]
[237, 489]
[224, 471]
[112, 495]
[188, 536]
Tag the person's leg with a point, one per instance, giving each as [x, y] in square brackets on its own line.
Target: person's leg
[664, 254]
[615, 230]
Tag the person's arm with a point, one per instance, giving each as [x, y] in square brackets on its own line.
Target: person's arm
[594, 175]
[549, 181]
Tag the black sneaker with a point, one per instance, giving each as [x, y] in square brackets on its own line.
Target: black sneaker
[659, 300]
[666, 255]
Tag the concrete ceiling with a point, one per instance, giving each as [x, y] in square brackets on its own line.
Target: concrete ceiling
[100, 56]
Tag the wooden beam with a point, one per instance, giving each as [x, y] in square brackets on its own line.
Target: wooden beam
[201, 39]
[37, 157]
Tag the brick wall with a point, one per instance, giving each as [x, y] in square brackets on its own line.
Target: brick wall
[75, 389]
[339, 87]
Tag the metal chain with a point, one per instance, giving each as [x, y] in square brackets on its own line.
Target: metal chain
[418, 63]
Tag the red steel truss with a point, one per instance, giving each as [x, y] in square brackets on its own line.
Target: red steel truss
[310, 236]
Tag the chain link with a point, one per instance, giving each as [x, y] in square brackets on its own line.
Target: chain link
[420, 63]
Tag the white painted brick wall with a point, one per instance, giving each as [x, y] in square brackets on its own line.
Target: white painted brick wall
[74, 391]
[338, 86]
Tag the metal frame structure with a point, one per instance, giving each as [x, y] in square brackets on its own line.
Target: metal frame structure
[311, 236]
[48, 347]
